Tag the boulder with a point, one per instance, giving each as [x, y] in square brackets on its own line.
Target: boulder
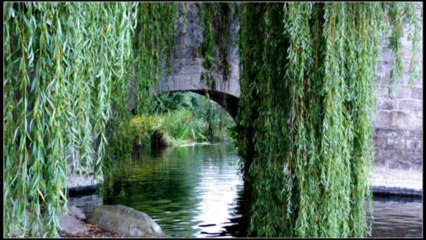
[70, 225]
[76, 212]
[125, 220]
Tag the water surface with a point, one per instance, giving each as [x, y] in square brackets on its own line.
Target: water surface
[197, 192]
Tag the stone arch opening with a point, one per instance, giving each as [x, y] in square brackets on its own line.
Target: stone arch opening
[216, 110]
[228, 102]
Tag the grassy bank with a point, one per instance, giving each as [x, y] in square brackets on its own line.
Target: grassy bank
[176, 119]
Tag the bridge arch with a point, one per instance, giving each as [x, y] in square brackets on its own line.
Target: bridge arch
[186, 67]
[225, 100]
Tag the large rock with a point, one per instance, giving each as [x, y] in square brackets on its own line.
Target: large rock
[70, 225]
[125, 220]
[76, 212]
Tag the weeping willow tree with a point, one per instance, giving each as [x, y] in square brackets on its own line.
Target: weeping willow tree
[66, 70]
[304, 128]
[215, 18]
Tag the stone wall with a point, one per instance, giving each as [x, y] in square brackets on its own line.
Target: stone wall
[398, 126]
[187, 59]
[398, 135]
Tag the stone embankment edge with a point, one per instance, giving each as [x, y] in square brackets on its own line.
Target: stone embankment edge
[396, 191]
[377, 190]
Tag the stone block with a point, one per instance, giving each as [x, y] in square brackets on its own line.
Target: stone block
[382, 119]
[402, 91]
[398, 158]
[382, 91]
[387, 139]
[413, 144]
[383, 72]
[386, 104]
[77, 181]
[410, 105]
[87, 203]
[398, 148]
[417, 93]
[397, 119]
[386, 54]
[399, 165]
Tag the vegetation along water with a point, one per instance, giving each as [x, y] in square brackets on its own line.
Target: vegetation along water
[303, 127]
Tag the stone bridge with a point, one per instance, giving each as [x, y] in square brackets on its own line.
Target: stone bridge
[398, 133]
[187, 66]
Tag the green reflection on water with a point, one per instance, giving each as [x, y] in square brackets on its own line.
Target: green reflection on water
[180, 188]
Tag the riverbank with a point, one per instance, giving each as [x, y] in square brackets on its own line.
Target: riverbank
[178, 170]
[107, 221]
[398, 182]
[385, 181]
[93, 231]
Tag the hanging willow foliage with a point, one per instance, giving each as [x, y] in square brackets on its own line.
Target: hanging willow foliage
[215, 18]
[154, 37]
[67, 67]
[304, 125]
[33, 116]
[307, 78]
[152, 43]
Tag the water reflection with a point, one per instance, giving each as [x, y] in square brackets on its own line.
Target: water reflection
[197, 192]
[397, 217]
[217, 194]
[189, 191]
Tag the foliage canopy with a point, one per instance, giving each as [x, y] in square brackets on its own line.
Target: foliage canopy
[303, 128]
[304, 125]
[67, 67]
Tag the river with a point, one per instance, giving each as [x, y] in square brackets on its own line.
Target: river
[197, 192]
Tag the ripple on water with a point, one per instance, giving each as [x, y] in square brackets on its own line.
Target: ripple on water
[197, 192]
